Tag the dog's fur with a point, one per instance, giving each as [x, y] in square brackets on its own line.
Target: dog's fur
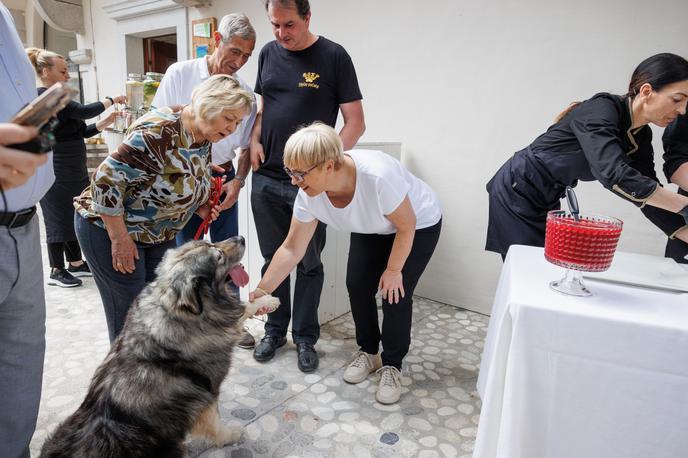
[161, 379]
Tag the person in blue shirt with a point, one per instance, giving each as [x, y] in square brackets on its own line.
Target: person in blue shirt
[24, 179]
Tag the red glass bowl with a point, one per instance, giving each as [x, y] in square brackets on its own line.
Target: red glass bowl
[587, 244]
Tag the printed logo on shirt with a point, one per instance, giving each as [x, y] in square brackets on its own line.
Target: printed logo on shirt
[308, 80]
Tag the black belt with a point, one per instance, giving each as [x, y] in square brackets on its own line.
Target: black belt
[228, 166]
[17, 219]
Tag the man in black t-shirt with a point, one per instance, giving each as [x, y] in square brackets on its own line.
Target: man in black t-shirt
[302, 78]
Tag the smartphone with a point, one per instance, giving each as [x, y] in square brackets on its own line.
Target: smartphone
[40, 113]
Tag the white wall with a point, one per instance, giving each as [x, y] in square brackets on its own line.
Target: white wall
[463, 85]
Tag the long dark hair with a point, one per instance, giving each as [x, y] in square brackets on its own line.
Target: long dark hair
[658, 71]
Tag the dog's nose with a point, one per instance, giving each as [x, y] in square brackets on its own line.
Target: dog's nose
[239, 240]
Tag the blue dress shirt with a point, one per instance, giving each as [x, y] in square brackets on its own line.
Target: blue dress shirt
[17, 88]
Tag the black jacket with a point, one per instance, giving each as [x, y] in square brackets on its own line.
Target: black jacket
[594, 141]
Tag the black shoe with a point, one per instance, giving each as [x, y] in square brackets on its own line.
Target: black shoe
[307, 357]
[246, 340]
[265, 350]
[81, 271]
[63, 279]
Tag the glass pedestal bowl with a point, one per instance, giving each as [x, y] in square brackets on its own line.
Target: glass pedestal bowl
[584, 245]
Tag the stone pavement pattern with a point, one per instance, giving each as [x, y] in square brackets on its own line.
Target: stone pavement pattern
[288, 413]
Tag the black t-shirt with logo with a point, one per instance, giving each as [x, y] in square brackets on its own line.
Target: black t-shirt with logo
[298, 88]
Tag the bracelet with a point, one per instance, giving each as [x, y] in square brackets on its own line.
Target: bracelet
[112, 101]
[241, 179]
[259, 289]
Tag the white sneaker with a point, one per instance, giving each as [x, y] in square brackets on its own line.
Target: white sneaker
[362, 365]
[389, 389]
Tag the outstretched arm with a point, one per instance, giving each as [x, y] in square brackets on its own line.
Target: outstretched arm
[287, 256]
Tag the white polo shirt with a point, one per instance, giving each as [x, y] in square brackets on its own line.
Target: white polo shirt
[176, 88]
[382, 183]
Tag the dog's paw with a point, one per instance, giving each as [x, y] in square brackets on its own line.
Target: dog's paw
[228, 435]
[267, 304]
[262, 305]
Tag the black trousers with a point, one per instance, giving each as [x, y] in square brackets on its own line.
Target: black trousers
[272, 202]
[677, 250]
[58, 250]
[368, 256]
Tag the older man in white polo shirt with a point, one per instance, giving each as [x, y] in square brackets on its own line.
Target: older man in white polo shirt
[234, 43]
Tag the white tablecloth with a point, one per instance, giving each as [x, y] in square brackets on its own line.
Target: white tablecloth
[561, 376]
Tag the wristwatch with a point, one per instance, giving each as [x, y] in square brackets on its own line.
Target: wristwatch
[241, 179]
[110, 99]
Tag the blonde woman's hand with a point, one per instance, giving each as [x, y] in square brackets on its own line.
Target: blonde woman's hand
[392, 286]
[255, 294]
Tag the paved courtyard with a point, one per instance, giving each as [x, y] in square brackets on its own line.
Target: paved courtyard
[288, 413]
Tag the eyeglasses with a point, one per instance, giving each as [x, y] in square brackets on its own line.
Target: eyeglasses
[297, 174]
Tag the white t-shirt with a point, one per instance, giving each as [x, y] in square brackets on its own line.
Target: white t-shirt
[382, 183]
[176, 88]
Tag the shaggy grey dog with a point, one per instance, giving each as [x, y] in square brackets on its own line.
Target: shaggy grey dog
[161, 379]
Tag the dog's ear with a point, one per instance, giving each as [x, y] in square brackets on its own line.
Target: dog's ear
[191, 295]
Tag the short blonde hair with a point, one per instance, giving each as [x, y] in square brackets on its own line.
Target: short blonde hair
[42, 59]
[313, 145]
[219, 93]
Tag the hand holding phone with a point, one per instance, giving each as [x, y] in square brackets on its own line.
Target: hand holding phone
[17, 166]
[40, 113]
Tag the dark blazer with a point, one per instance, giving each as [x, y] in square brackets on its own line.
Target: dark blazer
[593, 141]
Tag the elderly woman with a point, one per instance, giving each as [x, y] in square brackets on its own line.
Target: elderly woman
[69, 162]
[395, 220]
[147, 190]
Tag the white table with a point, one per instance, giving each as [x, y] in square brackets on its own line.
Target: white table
[603, 376]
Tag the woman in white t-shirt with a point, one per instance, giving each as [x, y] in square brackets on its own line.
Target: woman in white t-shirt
[395, 221]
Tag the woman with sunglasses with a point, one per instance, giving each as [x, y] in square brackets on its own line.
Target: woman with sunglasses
[606, 138]
[395, 221]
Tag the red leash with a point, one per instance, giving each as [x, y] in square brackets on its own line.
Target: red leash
[215, 198]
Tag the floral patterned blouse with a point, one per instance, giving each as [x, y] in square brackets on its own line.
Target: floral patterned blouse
[157, 179]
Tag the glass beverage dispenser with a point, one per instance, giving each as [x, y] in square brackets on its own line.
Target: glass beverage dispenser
[150, 87]
[134, 89]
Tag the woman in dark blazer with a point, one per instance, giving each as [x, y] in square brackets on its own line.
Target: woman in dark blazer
[71, 175]
[605, 138]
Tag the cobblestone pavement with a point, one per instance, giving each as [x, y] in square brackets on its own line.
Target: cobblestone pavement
[288, 413]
